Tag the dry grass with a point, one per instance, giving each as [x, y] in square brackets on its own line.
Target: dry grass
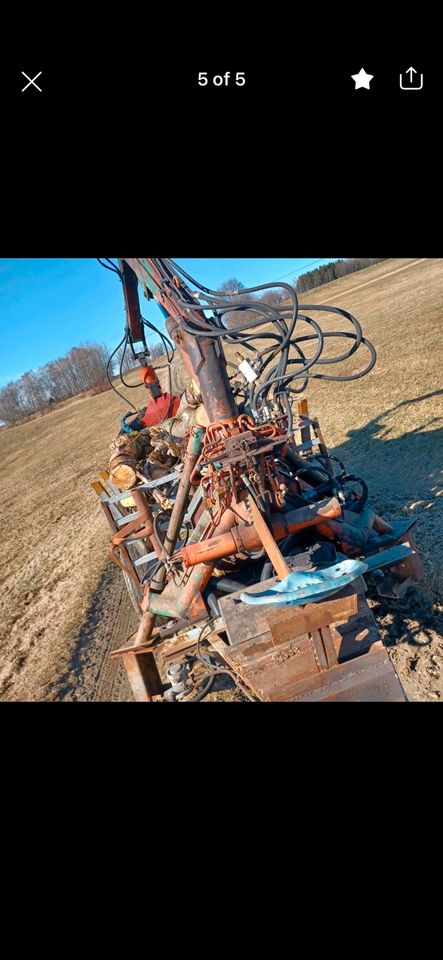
[388, 427]
[55, 537]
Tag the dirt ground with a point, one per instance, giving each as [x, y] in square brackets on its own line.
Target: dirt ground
[63, 605]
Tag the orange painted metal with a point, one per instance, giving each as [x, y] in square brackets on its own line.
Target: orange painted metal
[185, 599]
[243, 538]
[148, 375]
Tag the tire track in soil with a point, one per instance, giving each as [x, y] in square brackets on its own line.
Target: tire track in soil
[111, 619]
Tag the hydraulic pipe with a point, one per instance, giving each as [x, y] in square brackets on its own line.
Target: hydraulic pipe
[132, 302]
[179, 509]
[203, 357]
[186, 600]
[145, 629]
[244, 538]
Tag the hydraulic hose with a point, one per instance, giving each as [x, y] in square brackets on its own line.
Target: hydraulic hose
[203, 693]
[226, 585]
[212, 603]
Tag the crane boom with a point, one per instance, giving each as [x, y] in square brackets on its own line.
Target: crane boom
[204, 359]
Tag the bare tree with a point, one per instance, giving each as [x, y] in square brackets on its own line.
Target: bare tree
[157, 350]
[235, 318]
[83, 368]
[33, 395]
[273, 297]
[231, 286]
[128, 360]
[10, 408]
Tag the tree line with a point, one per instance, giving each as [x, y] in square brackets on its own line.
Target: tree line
[307, 281]
[331, 271]
[82, 368]
[233, 286]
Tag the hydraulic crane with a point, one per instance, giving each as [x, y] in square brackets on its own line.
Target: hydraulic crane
[261, 506]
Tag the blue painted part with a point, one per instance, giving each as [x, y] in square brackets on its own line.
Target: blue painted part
[303, 587]
[134, 425]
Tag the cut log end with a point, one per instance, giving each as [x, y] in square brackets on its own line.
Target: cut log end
[123, 476]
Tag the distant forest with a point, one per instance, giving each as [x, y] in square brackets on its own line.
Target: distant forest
[332, 271]
[82, 369]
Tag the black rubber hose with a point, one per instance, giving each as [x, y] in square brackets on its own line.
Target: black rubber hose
[275, 377]
[203, 693]
[352, 478]
[310, 475]
[212, 603]
[108, 367]
[155, 520]
[155, 529]
[113, 267]
[316, 475]
[284, 318]
[226, 585]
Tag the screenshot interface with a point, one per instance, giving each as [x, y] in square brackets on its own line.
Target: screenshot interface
[222, 469]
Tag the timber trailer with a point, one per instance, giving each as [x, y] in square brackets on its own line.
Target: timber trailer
[251, 539]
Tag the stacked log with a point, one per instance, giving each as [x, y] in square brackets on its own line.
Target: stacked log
[123, 465]
[126, 452]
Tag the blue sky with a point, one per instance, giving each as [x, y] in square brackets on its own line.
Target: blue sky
[49, 306]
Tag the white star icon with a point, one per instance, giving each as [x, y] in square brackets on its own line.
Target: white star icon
[362, 79]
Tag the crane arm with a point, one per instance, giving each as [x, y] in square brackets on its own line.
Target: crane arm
[205, 360]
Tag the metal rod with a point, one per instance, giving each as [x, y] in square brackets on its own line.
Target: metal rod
[180, 505]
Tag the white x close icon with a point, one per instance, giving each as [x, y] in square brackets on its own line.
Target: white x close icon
[32, 81]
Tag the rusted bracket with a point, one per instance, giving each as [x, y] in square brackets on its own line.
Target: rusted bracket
[143, 676]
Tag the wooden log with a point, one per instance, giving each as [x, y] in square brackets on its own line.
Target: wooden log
[123, 468]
